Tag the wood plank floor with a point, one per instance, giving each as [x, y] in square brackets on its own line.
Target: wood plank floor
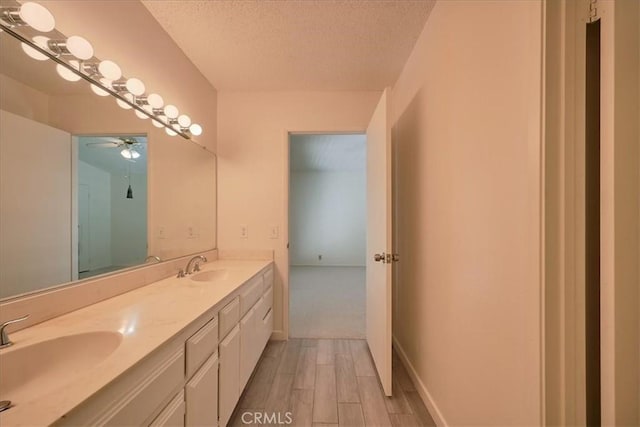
[326, 382]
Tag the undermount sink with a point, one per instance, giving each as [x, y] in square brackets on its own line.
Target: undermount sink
[210, 276]
[37, 369]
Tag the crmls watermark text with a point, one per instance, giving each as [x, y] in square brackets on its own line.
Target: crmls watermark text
[267, 418]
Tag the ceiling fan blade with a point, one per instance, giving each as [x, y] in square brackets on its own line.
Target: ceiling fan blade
[103, 144]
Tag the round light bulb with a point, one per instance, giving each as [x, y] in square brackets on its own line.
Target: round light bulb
[80, 47]
[141, 115]
[66, 73]
[170, 132]
[37, 16]
[195, 129]
[41, 41]
[157, 123]
[98, 90]
[171, 111]
[155, 100]
[184, 121]
[123, 104]
[135, 86]
[32, 53]
[110, 70]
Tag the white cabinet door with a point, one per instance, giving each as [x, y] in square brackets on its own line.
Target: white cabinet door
[247, 346]
[202, 395]
[172, 415]
[229, 391]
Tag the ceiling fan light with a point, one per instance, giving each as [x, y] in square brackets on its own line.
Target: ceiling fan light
[171, 111]
[126, 153]
[110, 70]
[195, 129]
[79, 47]
[66, 73]
[37, 16]
[135, 86]
[134, 154]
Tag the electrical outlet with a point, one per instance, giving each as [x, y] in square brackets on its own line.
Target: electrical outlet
[191, 233]
[244, 232]
[162, 233]
[275, 232]
[319, 257]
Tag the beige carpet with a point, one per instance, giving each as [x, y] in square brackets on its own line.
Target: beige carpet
[327, 302]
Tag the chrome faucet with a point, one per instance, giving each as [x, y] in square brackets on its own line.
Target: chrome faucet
[194, 264]
[4, 338]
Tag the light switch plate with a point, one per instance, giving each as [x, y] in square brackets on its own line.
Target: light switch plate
[244, 231]
[274, 232]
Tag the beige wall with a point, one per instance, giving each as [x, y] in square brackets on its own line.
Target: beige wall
[466, 114]
[20, 99]
[253, 163]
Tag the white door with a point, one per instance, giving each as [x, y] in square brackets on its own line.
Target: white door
[83, 228]
[379, 241]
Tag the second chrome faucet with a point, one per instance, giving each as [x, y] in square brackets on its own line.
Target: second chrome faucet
[193, 265]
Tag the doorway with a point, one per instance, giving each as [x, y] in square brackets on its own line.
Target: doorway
[327, 235]
[111, 203]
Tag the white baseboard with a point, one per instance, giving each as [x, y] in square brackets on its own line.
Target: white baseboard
[419, 385]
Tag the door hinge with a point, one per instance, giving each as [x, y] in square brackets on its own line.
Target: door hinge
[593, 10]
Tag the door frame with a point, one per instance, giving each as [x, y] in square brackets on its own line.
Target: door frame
[563, 245]
[284, 333]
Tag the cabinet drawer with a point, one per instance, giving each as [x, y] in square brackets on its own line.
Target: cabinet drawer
[250, 295]
[140, 402]
[172, 415]
[229, 376]
[201, 345]
[266, 327]
[202, 395]
[229, 316]
[268, 278]
[268, 298]
[261, 308]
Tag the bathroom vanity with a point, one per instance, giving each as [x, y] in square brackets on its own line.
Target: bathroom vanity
[176, 352]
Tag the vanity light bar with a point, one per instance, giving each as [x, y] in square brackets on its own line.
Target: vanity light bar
[105, 77]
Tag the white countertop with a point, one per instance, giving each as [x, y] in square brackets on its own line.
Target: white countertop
[146, 317]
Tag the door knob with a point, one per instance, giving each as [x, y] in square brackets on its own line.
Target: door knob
[380, 257]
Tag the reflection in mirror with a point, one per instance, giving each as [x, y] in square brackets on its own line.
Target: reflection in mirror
[112, 203]
[55, 227]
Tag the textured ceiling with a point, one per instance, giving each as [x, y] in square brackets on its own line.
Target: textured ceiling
[328, 153]
[295, 44]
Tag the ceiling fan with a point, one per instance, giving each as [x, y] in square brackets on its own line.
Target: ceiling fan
[128, 144]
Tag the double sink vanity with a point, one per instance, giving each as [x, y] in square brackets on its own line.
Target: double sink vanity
[178, 351]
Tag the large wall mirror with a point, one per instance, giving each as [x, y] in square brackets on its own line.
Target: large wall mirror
[86, 187]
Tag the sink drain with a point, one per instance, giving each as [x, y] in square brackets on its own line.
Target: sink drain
[4, 405]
